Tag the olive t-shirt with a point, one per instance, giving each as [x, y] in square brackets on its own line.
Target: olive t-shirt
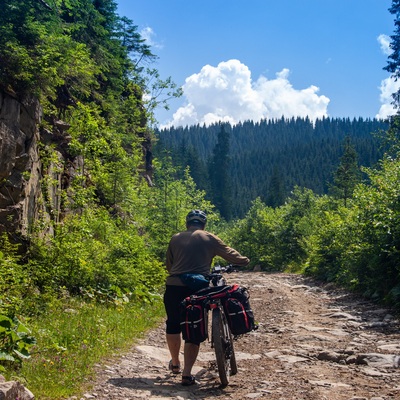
[193, 250]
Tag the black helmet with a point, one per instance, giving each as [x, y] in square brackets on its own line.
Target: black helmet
[196, 216]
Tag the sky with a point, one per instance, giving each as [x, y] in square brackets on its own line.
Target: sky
[239, 60]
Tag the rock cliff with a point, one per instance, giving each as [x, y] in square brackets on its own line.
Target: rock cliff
[29, 187]
[20, 166]
[32, 177]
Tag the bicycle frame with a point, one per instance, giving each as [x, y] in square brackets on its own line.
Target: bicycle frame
[221, 337]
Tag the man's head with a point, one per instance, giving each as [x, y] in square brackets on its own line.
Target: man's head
[196, 218]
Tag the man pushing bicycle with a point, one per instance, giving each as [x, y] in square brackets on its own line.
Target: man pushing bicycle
[188, 259]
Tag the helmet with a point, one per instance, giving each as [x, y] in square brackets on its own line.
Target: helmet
[196, 216]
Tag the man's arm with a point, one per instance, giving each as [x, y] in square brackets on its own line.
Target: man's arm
[229, 254]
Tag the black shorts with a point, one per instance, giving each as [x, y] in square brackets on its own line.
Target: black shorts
[173, 297]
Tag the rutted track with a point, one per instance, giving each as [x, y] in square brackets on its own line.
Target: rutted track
[313, 343]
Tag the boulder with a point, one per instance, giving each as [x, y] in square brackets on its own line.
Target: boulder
[12, 390]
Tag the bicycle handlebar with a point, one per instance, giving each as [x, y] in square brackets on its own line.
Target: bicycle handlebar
[219, 270]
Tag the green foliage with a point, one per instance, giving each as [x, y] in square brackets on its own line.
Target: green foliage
[67, 51]
[220, 183]
[347, 174]
[256, 236]
[37, 54]
[15, 342]
[14, 280]
[359, 246]
[379, 217]
[93, 254]
[301, 219]
[168, 204]
[281, 238]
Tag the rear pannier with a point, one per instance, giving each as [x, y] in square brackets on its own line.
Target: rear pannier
[194, 322]
[238, 311]
[235, 300]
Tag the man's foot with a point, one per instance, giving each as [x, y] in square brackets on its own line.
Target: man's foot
[175, 369]
[188, 380]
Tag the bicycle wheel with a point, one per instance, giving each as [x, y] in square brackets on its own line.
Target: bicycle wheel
[234, 368]
[223, 345]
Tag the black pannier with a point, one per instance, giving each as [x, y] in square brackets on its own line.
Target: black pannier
[238, 311]
[194, 325]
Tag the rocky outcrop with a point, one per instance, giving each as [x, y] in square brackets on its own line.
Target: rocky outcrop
[36, 167]
[30, 187]
[20, 166]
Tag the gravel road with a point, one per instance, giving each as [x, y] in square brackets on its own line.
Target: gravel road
[314, 342]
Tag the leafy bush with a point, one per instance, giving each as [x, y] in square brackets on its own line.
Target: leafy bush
[91, 253]
[15, 342]
[14, 279]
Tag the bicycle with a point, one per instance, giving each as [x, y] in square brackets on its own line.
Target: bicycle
[214, 298]
[221, 336]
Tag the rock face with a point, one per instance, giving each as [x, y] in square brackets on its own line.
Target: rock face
[32, 178]
[20, 167]
[24, 197]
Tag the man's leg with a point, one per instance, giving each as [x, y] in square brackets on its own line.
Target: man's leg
[174, 346]
[191, 351]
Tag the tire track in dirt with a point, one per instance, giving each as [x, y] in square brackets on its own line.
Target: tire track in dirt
[314, 342]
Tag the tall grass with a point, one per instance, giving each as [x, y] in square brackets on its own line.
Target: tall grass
[75, 336]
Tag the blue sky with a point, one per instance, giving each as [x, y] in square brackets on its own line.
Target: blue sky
[252, 59]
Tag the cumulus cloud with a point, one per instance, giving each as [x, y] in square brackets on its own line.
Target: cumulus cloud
[388, 85]
[387, 88]
[384, 41]
[228, 93]
[149, 36]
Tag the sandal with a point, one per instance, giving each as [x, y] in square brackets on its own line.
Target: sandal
[188, 380]
[175, 369]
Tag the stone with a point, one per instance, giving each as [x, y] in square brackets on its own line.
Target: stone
[379, 360]
[12, 390]
[330, 356]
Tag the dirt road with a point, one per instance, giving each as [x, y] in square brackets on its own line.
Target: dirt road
[313, 343]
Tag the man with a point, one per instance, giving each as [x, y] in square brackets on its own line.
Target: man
[190, 251]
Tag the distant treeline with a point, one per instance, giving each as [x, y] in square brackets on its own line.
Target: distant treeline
[270, 157]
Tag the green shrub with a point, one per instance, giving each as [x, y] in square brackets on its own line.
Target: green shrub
[14, 279]
[15, 342]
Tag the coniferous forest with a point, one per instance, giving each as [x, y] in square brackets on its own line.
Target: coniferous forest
[319, 198]
[267, 159]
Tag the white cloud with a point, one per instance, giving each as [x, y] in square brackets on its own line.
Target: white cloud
[227, 93]
[149, 36]
[388, 85]
[384, 41]
[387, 88]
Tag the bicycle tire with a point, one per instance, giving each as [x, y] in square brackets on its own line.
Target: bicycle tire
[234, 368]
[223, 345]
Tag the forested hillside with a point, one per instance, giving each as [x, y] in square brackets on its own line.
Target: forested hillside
[268, 159]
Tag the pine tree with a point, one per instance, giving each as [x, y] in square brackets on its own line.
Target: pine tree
[347, 174]
[276, 189]
[393, 65]
[221, 190]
